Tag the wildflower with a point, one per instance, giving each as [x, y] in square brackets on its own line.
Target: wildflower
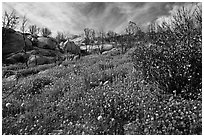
[8, 105]
[99, 117]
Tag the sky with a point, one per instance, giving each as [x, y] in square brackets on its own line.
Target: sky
[70, 17]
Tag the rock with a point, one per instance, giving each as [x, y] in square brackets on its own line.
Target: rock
[106, 47]
[112, 52]
[96, 48]
[71, 47]
[13, 41]
[16, 58]
[47, 43]
[40, 60]
[33, 39]
[45, 52]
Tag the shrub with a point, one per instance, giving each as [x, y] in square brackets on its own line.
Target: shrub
[174, 60]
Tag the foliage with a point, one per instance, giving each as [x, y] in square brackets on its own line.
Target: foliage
[174, 59]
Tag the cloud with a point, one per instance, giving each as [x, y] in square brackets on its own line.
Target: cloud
[190, 7]
[74, 17]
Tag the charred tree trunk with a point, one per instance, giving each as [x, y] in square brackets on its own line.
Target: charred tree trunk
[25, 49]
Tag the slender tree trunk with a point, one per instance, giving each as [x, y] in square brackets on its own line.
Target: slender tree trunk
[25, 46]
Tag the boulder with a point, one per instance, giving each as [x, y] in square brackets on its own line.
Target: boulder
[112, 52]
[13, 41]
[47, 43]
[45, 52]
[71, 47]
[40, 60]
[95, 48]
[106, 47]
[33, 39]
[13, 58]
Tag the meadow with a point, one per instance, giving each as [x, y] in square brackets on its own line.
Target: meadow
[98, 94]
[153, 87]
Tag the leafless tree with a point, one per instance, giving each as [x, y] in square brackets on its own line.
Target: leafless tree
[23, 30]
[111, 35]
[102, 36]
[10, 20]
[60, 37]
[132, 31]
[87, 38]
[46, 32]
[92, 36]
[33, 29]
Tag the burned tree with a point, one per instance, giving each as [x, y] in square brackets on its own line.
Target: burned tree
[46, 32]
[23, 30]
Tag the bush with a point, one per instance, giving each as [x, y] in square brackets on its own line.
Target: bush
[174, 59]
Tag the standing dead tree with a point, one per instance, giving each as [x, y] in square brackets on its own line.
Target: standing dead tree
[87, 39]
[46, 32]
[10, 20]
[132, 31]
[102, 37]
[23, 30]
[33, 29]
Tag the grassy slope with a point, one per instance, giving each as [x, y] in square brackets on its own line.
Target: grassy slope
[97, 94]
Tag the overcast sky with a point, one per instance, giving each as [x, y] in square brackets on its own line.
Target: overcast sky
[74, 17]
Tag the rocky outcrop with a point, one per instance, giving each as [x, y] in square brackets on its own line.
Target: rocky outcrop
[44, 49]
[46, 43]
[45, 52]
[13, 41]
[71, 47]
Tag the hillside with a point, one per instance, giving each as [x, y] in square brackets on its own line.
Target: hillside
[101, 82]
[98, 94]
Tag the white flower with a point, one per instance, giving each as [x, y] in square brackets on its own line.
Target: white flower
[99, 117]
[8, 105]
